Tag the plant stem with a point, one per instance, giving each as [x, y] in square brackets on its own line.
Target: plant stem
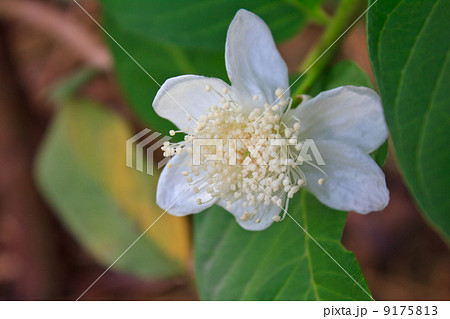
[316, 14]
[322, 53]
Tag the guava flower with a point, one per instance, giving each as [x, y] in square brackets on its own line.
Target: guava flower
[254, 180]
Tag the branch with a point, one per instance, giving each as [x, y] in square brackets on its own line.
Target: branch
[53, 23]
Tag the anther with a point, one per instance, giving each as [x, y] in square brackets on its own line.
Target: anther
[246, 216]
[287, 133]
[279, 92]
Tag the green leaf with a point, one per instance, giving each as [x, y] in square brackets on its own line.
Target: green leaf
[203, 25]
[343, 73]
[410, 52]
[380, 155]
[280, 263]
[81, 172]
[171, 38]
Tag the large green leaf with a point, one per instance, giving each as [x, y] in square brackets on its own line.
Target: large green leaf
[81, 171]
[280, 263]
[409, 45]
[203, 24]
[170, 38]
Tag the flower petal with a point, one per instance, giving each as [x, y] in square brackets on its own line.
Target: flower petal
[174, 194]
[354, 183]
[253, 62]
[237, 210]
[352, 115]
[187, 95]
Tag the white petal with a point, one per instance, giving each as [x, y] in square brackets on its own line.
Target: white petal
[237, 210]
[174, 194]
[355, 182]
[352, 115]
[187, 95]
[253, 62]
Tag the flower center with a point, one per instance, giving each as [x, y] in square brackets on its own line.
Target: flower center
[259, 154]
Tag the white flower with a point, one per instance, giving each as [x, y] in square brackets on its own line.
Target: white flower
[346, 124]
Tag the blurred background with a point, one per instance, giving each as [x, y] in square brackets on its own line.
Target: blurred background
[66, 212]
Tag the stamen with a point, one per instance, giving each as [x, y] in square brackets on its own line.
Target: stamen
[258, 185]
